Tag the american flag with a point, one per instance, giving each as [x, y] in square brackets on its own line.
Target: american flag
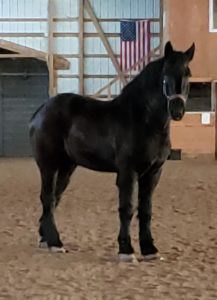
[135, 44]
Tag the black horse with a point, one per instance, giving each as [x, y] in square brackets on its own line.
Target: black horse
[128, 135]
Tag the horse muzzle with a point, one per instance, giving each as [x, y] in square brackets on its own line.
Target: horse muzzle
[177, 107]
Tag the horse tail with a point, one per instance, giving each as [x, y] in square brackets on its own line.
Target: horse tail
[35, 113]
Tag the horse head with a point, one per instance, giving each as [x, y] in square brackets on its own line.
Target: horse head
[175, 76]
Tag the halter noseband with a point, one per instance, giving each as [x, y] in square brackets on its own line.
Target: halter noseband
[174, 96]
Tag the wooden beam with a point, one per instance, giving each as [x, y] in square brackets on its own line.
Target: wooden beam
[95, 76]
[67, 19]
[104, 40]
[71, 19]
[22, 74]
[200, 79]
[117, 77]
[213, 95]
[94, 34]
[23, 20]
[50, 59]
[216, 129]
[17, 55]
[161, 26]
[69, 55]
[22, 34]
[81, 47]
[98, 55]
[60, 63]
[155, 20]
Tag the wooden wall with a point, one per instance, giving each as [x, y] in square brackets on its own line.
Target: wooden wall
[192, 136]
[186, 22]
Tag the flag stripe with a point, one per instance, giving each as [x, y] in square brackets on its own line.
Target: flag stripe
[134, 54]
[134, 43]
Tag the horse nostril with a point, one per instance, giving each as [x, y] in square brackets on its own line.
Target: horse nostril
[179, 116]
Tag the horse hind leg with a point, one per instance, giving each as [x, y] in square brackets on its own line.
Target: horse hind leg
[47, 230]
[63, 177]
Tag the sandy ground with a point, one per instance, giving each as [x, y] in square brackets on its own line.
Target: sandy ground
[184, 227]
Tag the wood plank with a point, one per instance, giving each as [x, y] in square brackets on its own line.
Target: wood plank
[161, 26]
[22, 34]
[104, 41]
[50, 58]
[69, 55]
[117, 77]
[118, 19]
[23, 20]
[216, 129]
[200, 79]
[72, 19]
[97, 55]
[60, 63]
[213, 94]
[68, 19]
[67, 76]
[17, 55]
[102, 96]
[14, 74]
[81, 47]
[93, 76]
[94, 34]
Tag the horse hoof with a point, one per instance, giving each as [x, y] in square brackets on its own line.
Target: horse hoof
[58, 249]
[43, 245]
[151, 257]
[127, 258]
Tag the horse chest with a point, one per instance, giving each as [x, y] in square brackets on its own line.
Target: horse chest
[154, 149]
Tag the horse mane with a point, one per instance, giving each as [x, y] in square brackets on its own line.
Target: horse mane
[147, 80]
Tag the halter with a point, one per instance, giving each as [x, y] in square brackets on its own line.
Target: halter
[172, 97]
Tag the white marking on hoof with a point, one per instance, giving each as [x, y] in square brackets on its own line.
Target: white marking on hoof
[127, 258]
[152, 257]
[57, 249]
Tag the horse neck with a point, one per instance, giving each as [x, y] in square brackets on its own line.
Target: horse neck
[144, 97]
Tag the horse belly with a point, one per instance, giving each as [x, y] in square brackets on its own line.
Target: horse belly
[96, 155]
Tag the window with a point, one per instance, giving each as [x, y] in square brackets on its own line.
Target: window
[213, 15]
[199, 99]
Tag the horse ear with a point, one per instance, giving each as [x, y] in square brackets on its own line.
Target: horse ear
[168, 49]
[190, 53]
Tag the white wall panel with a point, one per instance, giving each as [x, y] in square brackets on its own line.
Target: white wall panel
[91, 85]
[66, 27]
[66, 8]
[99, 66]
[94, 45]
[67, 85]
[69, 45]
[23, 27]
[66, 45]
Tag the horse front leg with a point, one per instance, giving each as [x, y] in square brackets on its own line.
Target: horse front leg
[147, 184]
[126, 185]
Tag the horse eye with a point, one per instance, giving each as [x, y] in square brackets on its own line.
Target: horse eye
[187, 72]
